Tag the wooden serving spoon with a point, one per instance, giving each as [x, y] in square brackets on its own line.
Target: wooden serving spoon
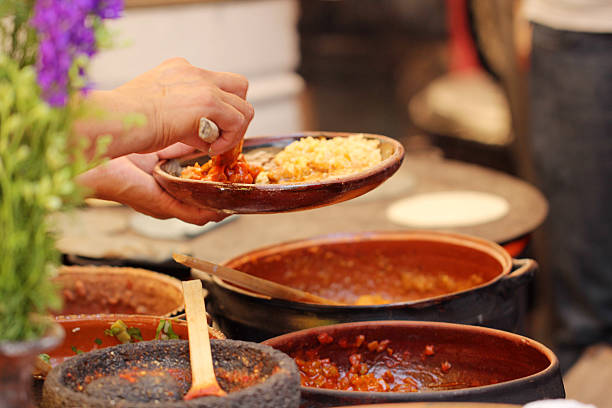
[203, 380]
[253, 283]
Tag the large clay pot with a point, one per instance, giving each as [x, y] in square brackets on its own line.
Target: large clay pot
[445, 362]
[16, 365]
[346, 265]
[107, 289]
[158, 373]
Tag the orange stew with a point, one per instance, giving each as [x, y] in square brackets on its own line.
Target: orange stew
[371, 366]
[230, 166]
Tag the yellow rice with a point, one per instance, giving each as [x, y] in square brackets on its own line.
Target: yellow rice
[312, 159]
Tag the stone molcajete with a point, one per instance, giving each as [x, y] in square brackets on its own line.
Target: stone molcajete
[157, 373]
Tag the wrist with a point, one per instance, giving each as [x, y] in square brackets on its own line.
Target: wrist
[117, 115]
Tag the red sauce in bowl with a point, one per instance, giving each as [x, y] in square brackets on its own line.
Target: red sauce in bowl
[372, 366]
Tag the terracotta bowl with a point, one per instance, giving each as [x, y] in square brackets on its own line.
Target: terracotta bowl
[158, 374]
[424, 361]
[85, 333]
[276, 198]
[423, 275]
[106, 289]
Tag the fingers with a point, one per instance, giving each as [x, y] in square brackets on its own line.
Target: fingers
[228, 113]
[166, 207]
[185, 93]
[229, 139]
[122, 180]
[175, 150]
[229, 82]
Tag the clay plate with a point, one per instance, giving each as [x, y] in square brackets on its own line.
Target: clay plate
[276, 198]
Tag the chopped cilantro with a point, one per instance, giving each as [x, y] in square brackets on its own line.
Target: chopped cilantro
[76, 350]
[134, 333]
[164, 330]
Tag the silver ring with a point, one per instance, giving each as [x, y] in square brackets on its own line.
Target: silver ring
[208, 130]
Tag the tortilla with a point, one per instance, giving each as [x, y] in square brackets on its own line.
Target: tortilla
[448, 209]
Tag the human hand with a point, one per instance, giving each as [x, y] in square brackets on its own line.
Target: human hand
[128, 180]
[173, 97]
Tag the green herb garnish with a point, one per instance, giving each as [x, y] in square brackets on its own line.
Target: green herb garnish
[45, 357]
[164, 331]
[76, 350]
[123, 333]
[134, 333]
[98, 341]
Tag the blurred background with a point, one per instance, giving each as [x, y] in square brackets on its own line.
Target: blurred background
[395, 67]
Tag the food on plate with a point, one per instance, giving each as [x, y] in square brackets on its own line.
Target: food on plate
[228, 167]
[305, 160]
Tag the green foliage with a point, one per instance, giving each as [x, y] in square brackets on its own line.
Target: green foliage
[17, 38]
[38, 164]
[39, 159]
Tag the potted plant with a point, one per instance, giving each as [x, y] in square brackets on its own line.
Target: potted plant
[45, 46]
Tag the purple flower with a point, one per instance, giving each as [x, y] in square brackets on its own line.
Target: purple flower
[66, 31]
[108, 8]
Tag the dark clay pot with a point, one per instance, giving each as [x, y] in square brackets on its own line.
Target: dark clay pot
[484, 365]
[345, 266]
[158, 373]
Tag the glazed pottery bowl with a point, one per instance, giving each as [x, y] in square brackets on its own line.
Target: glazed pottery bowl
[419, 361]
[85, 333]
[158, 374]
[422, 275]
[106, 289]
[276, 198]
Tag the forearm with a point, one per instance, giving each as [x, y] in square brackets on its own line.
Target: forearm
[108, 113]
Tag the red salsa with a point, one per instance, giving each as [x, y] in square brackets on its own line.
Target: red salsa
[360, 365]
[228, 167]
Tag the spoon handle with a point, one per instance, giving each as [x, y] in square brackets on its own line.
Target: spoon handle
[203, 380]
[259, 285]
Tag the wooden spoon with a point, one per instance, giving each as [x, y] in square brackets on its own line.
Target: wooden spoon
[250, 282]
[203, 380]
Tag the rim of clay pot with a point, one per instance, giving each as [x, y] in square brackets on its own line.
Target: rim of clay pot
[495, 251]
[548, 353]
[122, 271]
[282, 379]
[109, 318]
[75, 325]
